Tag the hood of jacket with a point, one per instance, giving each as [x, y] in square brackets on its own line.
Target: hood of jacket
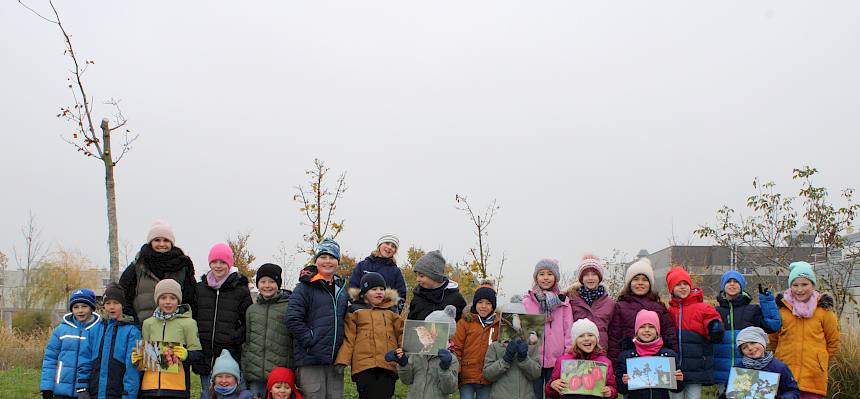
[234, 280]
[696, 296]
[825, 301]
[69, 319]
[380, 260]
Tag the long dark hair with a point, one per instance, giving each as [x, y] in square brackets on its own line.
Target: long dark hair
[652, 294]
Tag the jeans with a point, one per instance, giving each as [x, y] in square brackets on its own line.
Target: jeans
[691, 391]
[540, 382]
[204, 386]
[474, 391]
[257, 388]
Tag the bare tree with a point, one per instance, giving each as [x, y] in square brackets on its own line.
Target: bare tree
[318, 204]
[84, 137]
[31, 256]
[285, 258]
[481, 221]
[616, 265]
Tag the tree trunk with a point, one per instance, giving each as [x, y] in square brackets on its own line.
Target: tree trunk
[113, 240]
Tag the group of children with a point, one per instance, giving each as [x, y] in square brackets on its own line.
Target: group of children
[295, 344]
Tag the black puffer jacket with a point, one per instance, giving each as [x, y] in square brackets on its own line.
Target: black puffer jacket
[221, 319]
[426, 301]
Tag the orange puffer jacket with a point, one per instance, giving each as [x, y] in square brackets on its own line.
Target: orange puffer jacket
[471, 340]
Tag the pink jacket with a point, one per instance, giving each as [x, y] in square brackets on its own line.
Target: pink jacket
[556, 330]
[600, 312]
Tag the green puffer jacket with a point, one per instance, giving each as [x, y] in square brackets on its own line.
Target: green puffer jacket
[426, 379]
[268, 343]
[511, 380]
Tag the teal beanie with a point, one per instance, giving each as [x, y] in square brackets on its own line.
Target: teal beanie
[225, 364]
[801, 269]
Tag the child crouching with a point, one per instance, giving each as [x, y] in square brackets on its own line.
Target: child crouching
[752, 342]
[586, 346]
[429, 376]
[225, 379]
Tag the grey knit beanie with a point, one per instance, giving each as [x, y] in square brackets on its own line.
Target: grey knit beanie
[547, 264]
[432, 265]
[752, 334]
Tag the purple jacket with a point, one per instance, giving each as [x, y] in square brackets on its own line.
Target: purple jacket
[556, 329]
[623, 320]
[600, 312]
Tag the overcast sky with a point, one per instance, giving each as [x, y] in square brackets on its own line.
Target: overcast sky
[596, 125]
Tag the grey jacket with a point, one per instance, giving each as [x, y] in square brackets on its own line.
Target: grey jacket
[511, 380]
[426, 379]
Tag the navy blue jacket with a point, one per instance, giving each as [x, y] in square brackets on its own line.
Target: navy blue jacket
[738, 314]
[108, 372]
[628, 352]
[315, 317]
[787, 384]
[389, 271]
[64, 353]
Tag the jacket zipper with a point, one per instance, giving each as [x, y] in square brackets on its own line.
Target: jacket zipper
[214, 320]
[163, 330]
[265, 340]
[334, 309]
[732, 324]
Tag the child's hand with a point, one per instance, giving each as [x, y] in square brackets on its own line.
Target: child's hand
[606, 392]
[558, 385]
[679, 375]
[625, 378]
[399, 352]
[135, 357]
[180, 352]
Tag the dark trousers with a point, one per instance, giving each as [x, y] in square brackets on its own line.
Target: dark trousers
[375, 383]
[541, 381]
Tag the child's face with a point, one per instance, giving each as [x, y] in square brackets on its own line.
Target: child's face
[426, 282]
[752, 350]
[801, 289]
[590, 279]
[647, 333]
[640, 285]
[387, 250]
[326, 265]
[484, 307]
[281, 390]
[219, 268]
[82, 311]
[168, 303]
[268, 287]
[545, 279]
[586, 342]
[225, 380]
[732, 288]
[681, 290]
[113, 309]
[161, 244]
[375, 296]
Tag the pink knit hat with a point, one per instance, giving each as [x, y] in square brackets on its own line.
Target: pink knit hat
[161, 229]
[221, 251]
[590, 262]
[647, 317]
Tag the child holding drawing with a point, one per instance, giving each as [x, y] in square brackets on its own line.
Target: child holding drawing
[475, 332]
[752, 342]
[586, 336]
[647, 342]
[429, 376]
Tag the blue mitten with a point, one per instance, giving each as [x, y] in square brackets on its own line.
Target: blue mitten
[510, 351]
[445, 359]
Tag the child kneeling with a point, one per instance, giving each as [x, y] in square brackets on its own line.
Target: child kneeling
[752, 342]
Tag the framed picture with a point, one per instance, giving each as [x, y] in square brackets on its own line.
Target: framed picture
[651, 372]
[527, 327]
[752, 384]
[425, 337]
[157, 356]
[584, 377]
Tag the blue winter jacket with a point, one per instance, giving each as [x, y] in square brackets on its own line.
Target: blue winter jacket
[788, 388]
[389, 271]
[738, 314]
[315, 317]
[64, 353]
[108, 372]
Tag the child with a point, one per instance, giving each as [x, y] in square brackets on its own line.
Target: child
[268, 343]
[544, 298]
[638, 294]
[586, 336]
[429, 376]
[646, 343]
[475, 332]
[225, 379]
[106, 370]
[512, 366]
[372, 328]
[64, 352]
[589, 299]
[698, 325]
[809, 335]
[433, 291]
[315, 319]
[737, 312]
[282, 384]
[222, 299]
[171, 322]
[752, 342]
[381, 261]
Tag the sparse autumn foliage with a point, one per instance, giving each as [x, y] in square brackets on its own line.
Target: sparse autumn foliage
[318, 204]
[63, 272]
[481, 222]
[242, 256]
[346, 266]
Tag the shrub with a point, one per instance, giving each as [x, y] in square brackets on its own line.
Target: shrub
[28, 322]
[844, 374]
[20, 350]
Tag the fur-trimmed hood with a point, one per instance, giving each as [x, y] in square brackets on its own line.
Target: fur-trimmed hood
[825, 301]
[391, 298]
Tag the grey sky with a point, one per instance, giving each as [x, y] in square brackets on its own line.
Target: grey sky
[596, 125]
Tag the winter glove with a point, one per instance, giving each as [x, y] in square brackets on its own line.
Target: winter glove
[510, 352]
[83, 395]
[391, 356]
[445, 359]
[715, 331]
[47, 394]
[522, 350]
[180, 352]
[763, 291]
[338, 368]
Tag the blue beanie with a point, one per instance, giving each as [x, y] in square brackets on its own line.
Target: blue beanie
[801, 269]
[225, 364]
[82, 295]
[330, 247]
[733, 274]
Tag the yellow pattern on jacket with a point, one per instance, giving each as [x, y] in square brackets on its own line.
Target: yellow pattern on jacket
[180, 329]
[369, 333]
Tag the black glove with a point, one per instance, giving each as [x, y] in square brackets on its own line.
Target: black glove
[338, 368]
[510, 352]
[47, 394]
[715, 331]
[763, 291]
[522, 350]
[445, 359]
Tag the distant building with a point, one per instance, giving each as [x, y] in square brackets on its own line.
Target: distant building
[12, 289]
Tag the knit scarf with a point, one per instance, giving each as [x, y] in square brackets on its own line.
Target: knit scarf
[222, 391]
[164, 262]
[590, 295]
[804, 310]
[548, 300]
[648, 348]
[158, 314]
[488, 320]
[213, 281]
[757, 364]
